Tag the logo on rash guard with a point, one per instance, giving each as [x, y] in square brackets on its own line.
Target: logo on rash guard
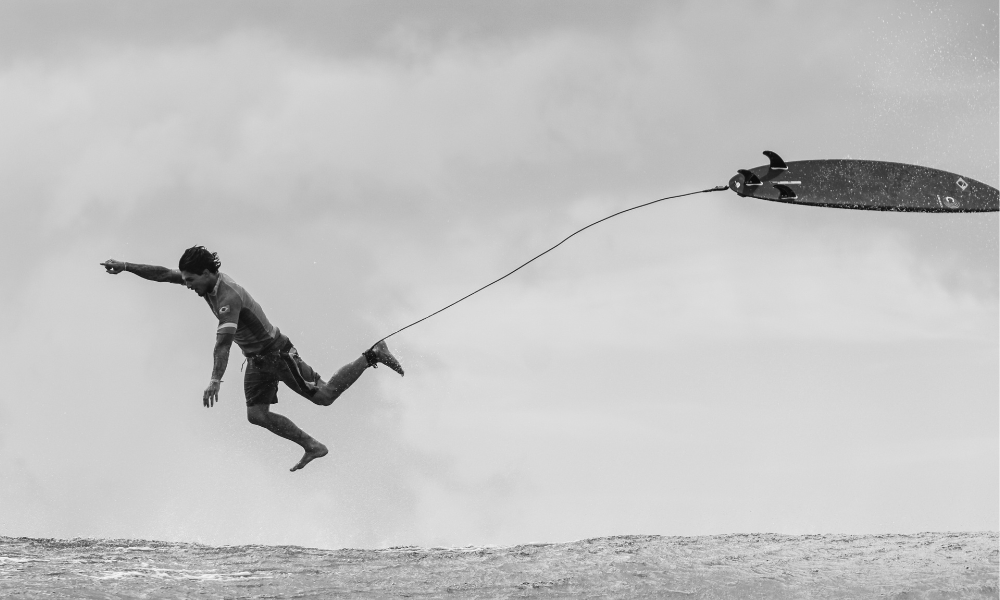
[224, 310]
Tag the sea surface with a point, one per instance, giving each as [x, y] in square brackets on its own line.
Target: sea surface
[927, 565]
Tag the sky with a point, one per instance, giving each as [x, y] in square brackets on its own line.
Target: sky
[711, 364]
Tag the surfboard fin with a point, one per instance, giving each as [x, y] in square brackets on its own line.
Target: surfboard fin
[785, 192]
[776, 163]
[749, 178]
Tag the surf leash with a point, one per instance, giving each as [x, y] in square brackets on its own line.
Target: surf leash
[852, 184]
[717, 188]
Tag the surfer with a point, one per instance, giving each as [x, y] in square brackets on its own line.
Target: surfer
[271, 357]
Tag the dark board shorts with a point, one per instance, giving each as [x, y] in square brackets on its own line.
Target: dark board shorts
[264, 371]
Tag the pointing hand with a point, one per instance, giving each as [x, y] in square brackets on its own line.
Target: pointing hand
[113, 266]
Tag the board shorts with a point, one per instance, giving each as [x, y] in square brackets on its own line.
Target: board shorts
[265, 370]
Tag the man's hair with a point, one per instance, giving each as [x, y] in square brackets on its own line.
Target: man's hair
[198, 259]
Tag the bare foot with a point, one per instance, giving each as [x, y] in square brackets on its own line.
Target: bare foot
[314, 452]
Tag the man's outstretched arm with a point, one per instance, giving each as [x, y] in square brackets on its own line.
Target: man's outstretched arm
[150, 272]
[223, 342]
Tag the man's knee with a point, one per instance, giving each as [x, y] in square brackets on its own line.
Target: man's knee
[257, 414]
[325, 396]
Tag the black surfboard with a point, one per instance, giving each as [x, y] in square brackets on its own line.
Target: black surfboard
[865, 185]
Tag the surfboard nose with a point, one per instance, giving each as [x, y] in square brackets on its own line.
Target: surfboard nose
[991, 202]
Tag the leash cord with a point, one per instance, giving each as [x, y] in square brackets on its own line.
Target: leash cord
[717, 188]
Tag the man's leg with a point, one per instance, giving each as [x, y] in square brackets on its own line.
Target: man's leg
[350, 373]
[340, 381]
[260, 414]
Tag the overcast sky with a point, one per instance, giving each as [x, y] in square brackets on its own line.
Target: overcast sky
[707, 365]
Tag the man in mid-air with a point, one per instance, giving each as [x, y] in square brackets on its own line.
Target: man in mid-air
[271, 357]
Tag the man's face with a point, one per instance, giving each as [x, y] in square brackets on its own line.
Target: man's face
[202, 283]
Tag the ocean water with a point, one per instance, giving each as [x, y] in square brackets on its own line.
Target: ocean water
[927, 565]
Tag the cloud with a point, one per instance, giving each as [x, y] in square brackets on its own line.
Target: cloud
[651, 367]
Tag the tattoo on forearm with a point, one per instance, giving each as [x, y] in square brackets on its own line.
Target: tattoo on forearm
[221, 356]
[153, 273]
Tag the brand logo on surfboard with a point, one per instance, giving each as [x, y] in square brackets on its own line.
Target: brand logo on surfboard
[961, 183]
[948, 202]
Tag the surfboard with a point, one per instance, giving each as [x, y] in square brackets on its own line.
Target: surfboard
[864, 185]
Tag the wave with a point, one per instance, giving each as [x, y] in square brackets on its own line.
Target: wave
[926, 565]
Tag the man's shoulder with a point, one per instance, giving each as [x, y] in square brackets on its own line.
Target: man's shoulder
[228, 288]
